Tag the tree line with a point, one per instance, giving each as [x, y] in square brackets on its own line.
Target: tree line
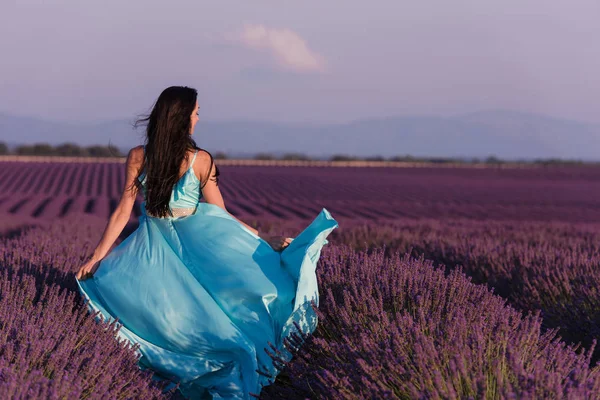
[74, 150]
[65, 150]
[413, 159]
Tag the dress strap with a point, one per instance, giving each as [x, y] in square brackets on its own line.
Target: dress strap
[193, 159]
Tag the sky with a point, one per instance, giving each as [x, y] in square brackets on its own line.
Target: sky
[302, 61]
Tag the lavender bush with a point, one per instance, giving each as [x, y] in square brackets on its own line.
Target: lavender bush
[397, 327]
[552, 267]
[50, 347]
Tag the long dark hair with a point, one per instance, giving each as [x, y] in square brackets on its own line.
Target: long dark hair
[168, 141]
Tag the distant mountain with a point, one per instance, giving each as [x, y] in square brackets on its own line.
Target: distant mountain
[27, 130]
[505, 134]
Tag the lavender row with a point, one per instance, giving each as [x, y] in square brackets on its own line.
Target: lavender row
[50, 346]
[552, 267]
[49, 190]
[397, 327]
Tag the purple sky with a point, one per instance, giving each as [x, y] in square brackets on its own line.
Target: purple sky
[305, 60]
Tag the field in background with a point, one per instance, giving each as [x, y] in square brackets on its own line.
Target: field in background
[406, 307]
[57, 189]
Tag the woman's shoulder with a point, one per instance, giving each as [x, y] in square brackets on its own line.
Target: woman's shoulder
[135, 155]
[204, 161]
[204, 164]
[204, 156]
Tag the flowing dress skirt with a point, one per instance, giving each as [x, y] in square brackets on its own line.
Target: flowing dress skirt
[203, 296]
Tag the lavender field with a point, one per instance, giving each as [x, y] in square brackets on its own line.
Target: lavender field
[441, 283]
[48, 190]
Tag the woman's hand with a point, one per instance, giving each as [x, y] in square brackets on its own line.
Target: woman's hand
[277, 242]
[87, 270]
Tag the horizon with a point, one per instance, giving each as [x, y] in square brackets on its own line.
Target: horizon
[509, 135]
[505, 134]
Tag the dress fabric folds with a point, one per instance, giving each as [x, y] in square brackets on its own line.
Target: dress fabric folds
[203, 295]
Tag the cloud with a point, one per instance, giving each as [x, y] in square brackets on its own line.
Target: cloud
[286, 46]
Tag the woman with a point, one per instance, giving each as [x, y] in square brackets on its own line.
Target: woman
[200, 291]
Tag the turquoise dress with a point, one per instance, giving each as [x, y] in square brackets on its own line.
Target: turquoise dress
[203, 295]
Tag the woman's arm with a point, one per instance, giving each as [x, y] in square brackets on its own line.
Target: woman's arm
[212, 194]
[210, 191]
[120, 216]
